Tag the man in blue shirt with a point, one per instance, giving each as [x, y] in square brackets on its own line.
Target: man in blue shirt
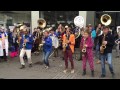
[26, 42]
[47, 48]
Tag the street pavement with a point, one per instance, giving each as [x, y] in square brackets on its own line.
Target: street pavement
[10, 69]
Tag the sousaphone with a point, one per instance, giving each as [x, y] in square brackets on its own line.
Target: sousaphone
[79, 22]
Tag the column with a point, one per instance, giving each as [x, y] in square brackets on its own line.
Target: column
[84, 15]
[34, 19]
[89, 17]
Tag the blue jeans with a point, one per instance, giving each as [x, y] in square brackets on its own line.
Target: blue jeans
[107, 56]
[97, 51]
[46, 56]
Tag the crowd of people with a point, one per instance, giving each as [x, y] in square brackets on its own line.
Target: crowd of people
[101, 40]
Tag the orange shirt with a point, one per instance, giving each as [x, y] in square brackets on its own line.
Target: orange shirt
[72, 41]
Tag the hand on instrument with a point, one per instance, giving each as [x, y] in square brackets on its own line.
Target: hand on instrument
[68, 41]
[20, 38]
[25, 40]
[86, 45]
[104, 42]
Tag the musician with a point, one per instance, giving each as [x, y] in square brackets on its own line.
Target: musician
[13, 45]
[117, 42]
[97, 46]
[47, 48]
[87, 44]
[107, 54]
[92, 31]
[26, 43]
[37, 39]
[3, 43]
[55, 42]
[81, 35]
[69, 39]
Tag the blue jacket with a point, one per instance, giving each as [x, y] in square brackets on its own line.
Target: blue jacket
[29, 44]
[93, 34]
[48, 44]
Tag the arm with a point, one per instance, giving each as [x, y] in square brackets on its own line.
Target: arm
[110, 41]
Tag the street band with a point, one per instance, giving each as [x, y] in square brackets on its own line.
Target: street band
[65, 38]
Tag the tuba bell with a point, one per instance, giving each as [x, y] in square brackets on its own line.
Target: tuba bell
[106, 19]
[42, 23]
[79, 22]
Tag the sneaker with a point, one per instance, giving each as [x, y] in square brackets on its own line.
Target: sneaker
[30, 65]
[72, 71]
[102, 76]
[65, 71]
[22, 67]
[47, 67]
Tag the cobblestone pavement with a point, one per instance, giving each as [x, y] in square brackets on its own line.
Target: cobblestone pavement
[10, 69]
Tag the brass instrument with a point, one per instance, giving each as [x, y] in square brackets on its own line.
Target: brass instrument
[103, 47]
[106, 19]
[117, 41]
[41, 44]
[84, 48]
[79, 22]
[65, 44]
[24, 44]
[42, 23]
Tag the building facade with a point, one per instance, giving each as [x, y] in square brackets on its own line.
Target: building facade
[9, 18]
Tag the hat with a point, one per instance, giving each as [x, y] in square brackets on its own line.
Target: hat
[24, 28]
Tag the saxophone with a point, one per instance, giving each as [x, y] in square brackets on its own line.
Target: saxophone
[103, 47]
[84, 48]
[65, 44]
[24, 44]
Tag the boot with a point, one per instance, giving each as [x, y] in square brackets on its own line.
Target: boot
[84, 73]
[22, 67]
[92, 73]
